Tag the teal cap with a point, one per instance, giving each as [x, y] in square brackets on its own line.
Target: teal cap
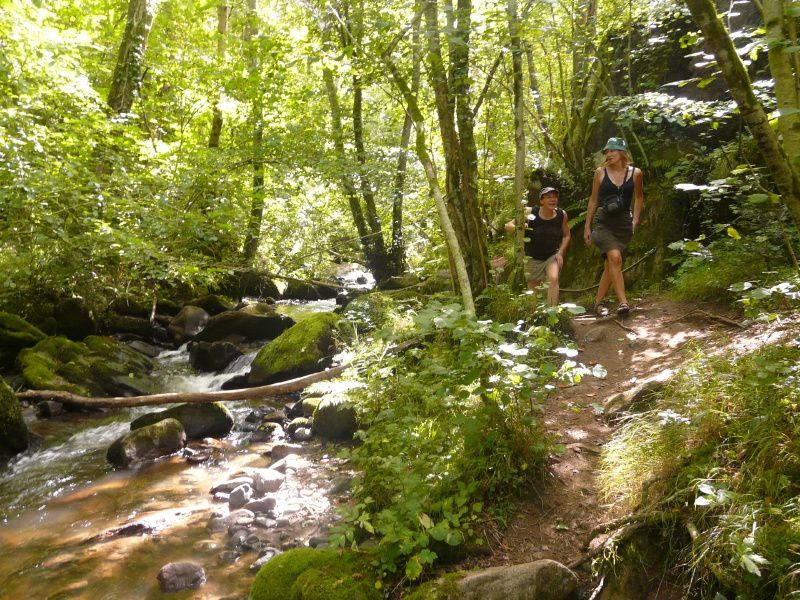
[615, 143]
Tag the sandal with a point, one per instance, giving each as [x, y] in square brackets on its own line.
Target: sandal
[600, 310]
[623, 309]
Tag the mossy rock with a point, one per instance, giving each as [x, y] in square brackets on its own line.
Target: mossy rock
[160, 439]
[13, 431]
[335, 418]
[97, 366]
[74, 320]
[15, 334]
[301, 290]
[302, 349]
[238, 323]
[213, 304]
[309, 574]
[198, 420]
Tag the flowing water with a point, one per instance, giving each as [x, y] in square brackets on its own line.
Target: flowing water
[63, 508]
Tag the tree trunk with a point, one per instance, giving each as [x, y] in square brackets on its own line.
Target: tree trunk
[257, 204]
[716, 36]
[223, 11]
[397, 254]
[454, 249]
[273, 389]
[786, 79]
[519, 131]
[460, 154]
[129, 69]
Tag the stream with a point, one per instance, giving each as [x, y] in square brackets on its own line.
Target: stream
[71, 526]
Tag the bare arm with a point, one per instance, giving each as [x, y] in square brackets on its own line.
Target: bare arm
[511, 226]
[566, 236]
[592, 208]
[638, 199]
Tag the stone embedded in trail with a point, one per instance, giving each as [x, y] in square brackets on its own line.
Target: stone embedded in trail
[638, 396]
[177, 576]
[161, 439]
[538, 580]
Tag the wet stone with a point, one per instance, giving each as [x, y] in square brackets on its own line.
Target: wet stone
[267, 554]
[262, 506]
[302, 434]
[229, 556]
[240, 496]
[221, 497]
[265, 523]
[177, 576]
[280, 451]
[231, 484]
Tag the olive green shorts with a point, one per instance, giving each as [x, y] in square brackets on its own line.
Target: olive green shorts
[536, 270]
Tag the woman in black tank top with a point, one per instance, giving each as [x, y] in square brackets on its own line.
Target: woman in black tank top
[547, 236]
[617, 201]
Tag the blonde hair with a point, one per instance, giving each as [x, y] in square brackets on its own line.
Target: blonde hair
[626, 158]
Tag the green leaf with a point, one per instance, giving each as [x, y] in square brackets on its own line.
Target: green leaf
[733, 233]
[758, 198]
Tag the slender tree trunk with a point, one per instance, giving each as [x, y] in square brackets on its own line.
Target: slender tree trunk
[786, 79]
[398, 244]
[223, 11]
[780, 167]
[129, 69]
[533, 82]
[454, 249]
[337, 133]
[257, 204]
[519, 130]
[460, 154]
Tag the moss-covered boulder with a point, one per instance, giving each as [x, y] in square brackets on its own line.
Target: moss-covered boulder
[371, 311]
[74, 320]
[199, 420]
[95, 367]
[335, 418]
[244, 325]
[302, 349]
[160, 439]
[15, 334]
[309, 574]
[13, 432]
[213, 304]
[302, 290]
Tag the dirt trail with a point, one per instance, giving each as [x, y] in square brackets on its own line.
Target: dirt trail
[556, 519]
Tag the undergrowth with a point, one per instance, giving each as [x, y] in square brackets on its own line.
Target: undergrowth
[450, 429]
[720, 454]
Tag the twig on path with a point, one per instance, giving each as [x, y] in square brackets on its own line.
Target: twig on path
[625, 327]
[708, 315]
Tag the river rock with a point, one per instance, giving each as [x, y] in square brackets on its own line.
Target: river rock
[213, 304]
[161, 439]
[198, 420]
[47, 409]
[228, 486]
[310, 404]
[73, 319]
[305, 348]
[13, 431]
[266, 481]
[267, 431]
[139, 326]
[15, 334]
[302, 434]
[177, 576]
[234, 520]
[280, 451]
[187, 324]
[240, 496]
[250, 327]
[212, 356]
[335, 418]
[261, 506]
[266, 555]
[296, 423]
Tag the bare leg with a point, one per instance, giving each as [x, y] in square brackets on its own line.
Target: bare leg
[615, 273]
[533, 284]
[605, 283]
[552, 272]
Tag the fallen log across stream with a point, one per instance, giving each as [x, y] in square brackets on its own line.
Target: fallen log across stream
[273, 389]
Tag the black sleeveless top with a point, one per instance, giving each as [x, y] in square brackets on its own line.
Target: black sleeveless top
[608, 188]
[543, 236]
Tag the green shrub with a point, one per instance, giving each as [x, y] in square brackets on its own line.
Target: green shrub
[451, 425]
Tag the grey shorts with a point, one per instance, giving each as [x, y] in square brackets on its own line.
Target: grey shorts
[535, 270]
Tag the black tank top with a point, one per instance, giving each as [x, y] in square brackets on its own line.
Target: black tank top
[543, 236]
[608, 188]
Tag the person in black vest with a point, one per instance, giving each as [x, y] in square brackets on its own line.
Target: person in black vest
[617, 199]
[547, 236]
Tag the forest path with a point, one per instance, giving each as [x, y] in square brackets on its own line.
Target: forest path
[555, 519]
